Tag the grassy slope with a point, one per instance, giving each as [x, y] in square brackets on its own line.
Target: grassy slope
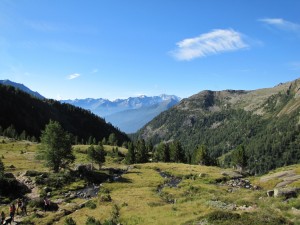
[136, 193]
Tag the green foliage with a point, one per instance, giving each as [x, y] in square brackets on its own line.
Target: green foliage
[239, 158]
[130, 156]
[201, 156]
[56, 147]
[91, 205]
[96, 154]
[141, 151]
[176, 152]
[115, 213]
[17, 105]
[270, 133]
[69, 221]
[162, 152]
[57, 180]
[92, 221]
[222, 216]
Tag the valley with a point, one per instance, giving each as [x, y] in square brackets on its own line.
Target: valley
[142, 194]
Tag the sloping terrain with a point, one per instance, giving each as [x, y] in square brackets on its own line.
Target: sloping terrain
[22, 88]
[265, 121]
[30, 114]
[155, 193]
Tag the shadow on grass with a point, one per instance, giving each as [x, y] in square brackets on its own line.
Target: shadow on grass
[123, 180]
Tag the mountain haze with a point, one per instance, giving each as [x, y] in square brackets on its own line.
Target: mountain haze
[127, 114]
[265, 121]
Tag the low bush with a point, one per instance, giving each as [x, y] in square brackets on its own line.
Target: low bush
[69, 221]
[92, 221]
[91, 205]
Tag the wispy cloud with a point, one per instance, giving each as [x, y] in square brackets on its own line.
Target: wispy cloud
[73, 76]
[95, 71]
[281, 24]
[214, 42]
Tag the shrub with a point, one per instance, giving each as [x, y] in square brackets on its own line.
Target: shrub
[69, 221]
[92, 221]
[222, 215]
[105, 198]
[91, 205]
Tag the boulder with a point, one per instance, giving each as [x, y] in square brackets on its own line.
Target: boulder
[286, 192]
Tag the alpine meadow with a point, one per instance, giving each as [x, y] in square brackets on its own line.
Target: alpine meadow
[150, 112]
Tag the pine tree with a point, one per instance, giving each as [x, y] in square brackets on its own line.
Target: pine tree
[201, 156]
[130, 156]
[56, 147]
[239, 158]
[176, 152]
[96, 154]
[141, 152]
[162, 152]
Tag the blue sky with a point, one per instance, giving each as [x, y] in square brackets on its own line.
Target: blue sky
[119, 48]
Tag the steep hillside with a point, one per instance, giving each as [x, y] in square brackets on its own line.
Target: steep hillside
[31, 114]
[265, 121]
[128, 114]
[22, 87]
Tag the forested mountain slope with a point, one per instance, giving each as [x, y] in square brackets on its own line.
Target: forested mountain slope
[265, 121]
[30, 114]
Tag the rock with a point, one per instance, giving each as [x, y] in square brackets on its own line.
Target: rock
[286, 192]
[270, 193]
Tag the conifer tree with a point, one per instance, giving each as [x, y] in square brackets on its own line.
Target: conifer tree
[141, 152]
[56, 147]
[130, 156]
[176, 152]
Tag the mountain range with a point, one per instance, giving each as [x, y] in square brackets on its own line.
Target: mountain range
[129, 114]
[264, 121]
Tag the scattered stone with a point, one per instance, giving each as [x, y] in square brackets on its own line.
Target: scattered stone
[241, 183]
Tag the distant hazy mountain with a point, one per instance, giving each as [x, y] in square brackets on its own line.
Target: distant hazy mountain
[128, 114]
[22, 87]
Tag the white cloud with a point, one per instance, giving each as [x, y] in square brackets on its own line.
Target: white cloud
[214, 42]
[282, 24]
[73, 76]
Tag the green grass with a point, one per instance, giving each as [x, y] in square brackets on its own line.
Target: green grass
[197, 198]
